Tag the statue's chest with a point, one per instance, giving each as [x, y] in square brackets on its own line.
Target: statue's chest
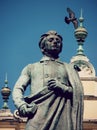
[48, 70]
[54, 69]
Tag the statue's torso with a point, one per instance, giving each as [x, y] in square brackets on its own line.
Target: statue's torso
[41, 72]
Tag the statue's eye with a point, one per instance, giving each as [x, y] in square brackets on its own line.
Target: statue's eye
[57, 40]
[51, 39]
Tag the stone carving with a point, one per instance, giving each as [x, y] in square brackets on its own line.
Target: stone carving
[56, 97]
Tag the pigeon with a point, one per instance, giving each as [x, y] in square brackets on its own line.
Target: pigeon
[71, 18]
[76, 67]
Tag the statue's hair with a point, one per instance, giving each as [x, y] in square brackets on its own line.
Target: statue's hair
[43, 37]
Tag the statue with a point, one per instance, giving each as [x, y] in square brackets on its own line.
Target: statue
[56, 98]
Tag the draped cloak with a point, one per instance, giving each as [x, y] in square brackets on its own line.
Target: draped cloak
[56, 111]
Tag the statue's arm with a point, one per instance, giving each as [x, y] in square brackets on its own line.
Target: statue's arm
[19, 88]
[25, 109]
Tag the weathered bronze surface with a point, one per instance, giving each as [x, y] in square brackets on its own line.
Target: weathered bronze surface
[56, 98]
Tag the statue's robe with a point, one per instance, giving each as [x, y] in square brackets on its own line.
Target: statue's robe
[56, 111]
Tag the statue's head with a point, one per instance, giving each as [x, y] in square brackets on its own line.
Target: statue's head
[51, 43]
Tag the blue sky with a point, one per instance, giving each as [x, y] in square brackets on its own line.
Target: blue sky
[23, 21]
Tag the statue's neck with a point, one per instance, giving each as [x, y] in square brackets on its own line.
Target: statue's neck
[51, 56]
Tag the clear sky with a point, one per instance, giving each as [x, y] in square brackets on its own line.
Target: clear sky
[23, 21]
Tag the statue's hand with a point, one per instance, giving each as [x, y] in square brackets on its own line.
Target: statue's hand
[53, 84]
[27, 110]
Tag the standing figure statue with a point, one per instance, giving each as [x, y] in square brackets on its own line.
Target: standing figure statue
[56, 97]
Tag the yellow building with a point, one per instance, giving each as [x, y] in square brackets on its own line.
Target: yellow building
[88, 78]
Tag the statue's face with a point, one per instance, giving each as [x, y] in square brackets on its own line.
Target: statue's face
[53, 44]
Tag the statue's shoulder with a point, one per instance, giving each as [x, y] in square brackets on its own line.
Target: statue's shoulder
[72, 66]
[31, 65]
[66, 64]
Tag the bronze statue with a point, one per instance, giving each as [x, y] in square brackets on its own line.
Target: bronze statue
[56, 97]
[71, 18]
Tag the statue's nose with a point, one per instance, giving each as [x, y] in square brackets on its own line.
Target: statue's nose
[55, 41]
